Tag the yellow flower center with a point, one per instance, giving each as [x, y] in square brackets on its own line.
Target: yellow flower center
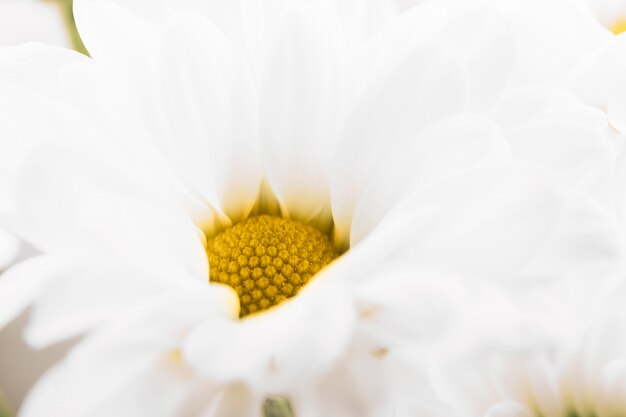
[267, 259]
[619, 26]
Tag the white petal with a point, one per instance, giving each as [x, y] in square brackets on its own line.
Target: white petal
[235, 401]
[9, 249]
[85, 297]
[533, 104]
[485, 40]
[447, 148]
[491, 221]
[213, 113]
[111, 32]
[128, 53]
[509, 409]
[600, 78]
[268, 350]
[576, 153]
[408, 304]
[99, 207]
[425, 408]
[616, 113]
[303, 103]
[22, 284]
[411, 28]
[36, 67]
[587, 243]
[363, 19]
[564, 26]
[124, 379]
[422, 88]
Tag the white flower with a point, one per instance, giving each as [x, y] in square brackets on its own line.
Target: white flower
[420, 143]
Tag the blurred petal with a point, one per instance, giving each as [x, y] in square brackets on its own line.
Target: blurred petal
[9, 249]
[22, 284]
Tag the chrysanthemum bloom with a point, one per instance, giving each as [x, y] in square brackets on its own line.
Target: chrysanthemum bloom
[280, 199]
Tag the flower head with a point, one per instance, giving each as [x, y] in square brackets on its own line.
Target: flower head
[349, 178]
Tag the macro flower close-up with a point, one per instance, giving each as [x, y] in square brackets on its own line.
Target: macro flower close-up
[299, 208]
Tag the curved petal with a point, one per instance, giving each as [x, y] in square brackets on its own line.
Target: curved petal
[600, 78]
[22, 284]
[268, 350]
[303, 103]
[532, 104]
[74, 202]
[587, 244]
[362, 20]
[490, 221]
[411, 28]
[447, 148]
[128, 54]
[235, 401]
[408, 304]
[577, 154]
[113, 31]
[424, 86]
[86, 297]
[10, 248]
[616, 113]
[564, 26]
[509, 409]
[125, 379]
[212, 109]
[484, 39]
[35, 67]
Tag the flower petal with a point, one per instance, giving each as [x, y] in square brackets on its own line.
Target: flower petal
[212, 108]
[509, 409]
[490, 221]
[303, 103]
[485, 40]
[9, 249]
[125, 379]
[22, 284]
[408, 304]
[577, 154]
[531, 104]
[423, 87]
[445, 149]
[84, 298]
[76, 203]
[267, 350]
[131, 37]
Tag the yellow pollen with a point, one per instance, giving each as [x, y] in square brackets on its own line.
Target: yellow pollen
[619, 26]
[267, 259]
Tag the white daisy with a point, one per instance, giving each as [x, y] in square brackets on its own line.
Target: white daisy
[251, 151]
